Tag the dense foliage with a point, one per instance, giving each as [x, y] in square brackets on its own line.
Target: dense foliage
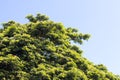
[43, 50]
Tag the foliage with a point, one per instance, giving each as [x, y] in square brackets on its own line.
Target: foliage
[43, 50]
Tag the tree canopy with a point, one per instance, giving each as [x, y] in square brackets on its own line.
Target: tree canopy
[43, 50]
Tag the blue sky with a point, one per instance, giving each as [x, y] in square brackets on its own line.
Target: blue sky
[100, 18]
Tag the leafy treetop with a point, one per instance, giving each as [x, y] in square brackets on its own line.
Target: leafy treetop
[42, 50]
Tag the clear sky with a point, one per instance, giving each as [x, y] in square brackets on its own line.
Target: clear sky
[100, 18]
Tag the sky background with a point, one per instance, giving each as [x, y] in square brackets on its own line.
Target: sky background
[99, 18]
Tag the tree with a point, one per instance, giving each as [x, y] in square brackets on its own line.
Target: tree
[43, 50]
